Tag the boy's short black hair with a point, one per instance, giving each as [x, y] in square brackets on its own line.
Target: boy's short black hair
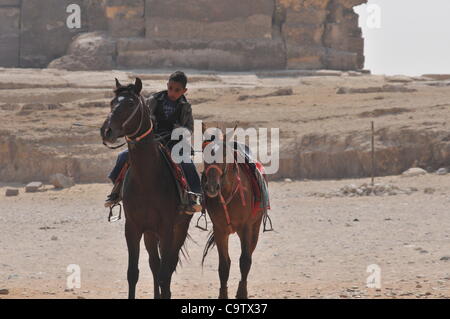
[179, 77]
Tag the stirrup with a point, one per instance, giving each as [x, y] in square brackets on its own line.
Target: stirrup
[202, 216]
[111, 217]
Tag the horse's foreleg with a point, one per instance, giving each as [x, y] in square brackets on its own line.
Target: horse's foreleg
[221, 240]
[133, 237]
[165, 272]
[170, 249]
[151, 244]
[169, 260]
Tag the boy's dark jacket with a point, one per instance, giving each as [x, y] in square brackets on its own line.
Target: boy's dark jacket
[184, 120]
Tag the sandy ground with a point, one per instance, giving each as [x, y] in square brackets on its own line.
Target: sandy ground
[321, 248]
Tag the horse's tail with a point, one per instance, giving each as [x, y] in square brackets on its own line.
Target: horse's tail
[184, 251]
[210, 243]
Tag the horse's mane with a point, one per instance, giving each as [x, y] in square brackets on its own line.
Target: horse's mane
[130, 88]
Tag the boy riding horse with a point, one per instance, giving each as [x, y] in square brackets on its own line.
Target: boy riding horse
[171, 110]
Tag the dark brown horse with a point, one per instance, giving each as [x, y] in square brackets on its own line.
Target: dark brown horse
[149, 194]
[228, 201]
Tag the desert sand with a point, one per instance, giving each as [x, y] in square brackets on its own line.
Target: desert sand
[322, 245]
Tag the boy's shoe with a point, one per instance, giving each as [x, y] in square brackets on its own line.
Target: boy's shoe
[195, 203]
[114, 197]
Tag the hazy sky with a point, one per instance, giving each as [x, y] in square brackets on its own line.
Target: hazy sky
[413, 38]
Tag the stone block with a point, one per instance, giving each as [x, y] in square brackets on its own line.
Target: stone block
[9, 37]
[45, 34]
[126, 19]
[209, 19]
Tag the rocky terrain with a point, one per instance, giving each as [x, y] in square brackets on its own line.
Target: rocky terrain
[325, 125]
[331, 223]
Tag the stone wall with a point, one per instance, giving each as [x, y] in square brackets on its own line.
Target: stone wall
[322, 34]
[44, 33]
[125, 18]
[9, 32]
[206, 34]
[209, 19]
[237, 55]
[34, 32]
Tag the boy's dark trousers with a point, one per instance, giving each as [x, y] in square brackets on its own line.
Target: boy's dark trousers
[188, 168]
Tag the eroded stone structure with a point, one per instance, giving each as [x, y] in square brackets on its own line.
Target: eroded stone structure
[203, 34]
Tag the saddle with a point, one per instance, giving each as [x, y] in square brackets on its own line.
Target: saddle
[177, 174]
[258, 179]
[255, 171]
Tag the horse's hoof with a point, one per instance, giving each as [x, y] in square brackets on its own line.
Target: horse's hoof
[242, 291]
[223, 294]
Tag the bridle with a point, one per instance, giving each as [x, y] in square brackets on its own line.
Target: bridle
[129, 138]
[236, 187]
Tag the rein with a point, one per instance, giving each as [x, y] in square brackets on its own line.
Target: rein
[235, 189]
[128, 138]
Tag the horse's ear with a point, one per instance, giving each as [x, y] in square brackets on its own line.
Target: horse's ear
[235, 126]
[203, 127]
[138, 86]
[118, 85]
[234, 131]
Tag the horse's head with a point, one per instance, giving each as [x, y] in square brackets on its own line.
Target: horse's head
[124, 118]
[213, 171]
[216, 168]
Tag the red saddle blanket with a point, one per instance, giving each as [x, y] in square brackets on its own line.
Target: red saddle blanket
[257, 178]
[177, 172]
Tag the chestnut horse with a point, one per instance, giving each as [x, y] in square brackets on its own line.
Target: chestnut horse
[228, 201]
[150, 196]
